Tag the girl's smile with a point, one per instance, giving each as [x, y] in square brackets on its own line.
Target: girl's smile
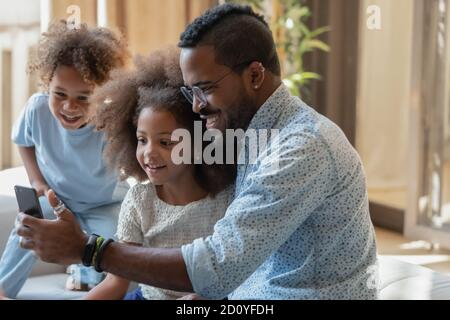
[154, 149]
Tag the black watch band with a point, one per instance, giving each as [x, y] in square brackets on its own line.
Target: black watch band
[89, 250]
[100, 252]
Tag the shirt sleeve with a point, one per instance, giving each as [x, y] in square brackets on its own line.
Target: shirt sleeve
[129, 225]
[275, 200]
[23, 127]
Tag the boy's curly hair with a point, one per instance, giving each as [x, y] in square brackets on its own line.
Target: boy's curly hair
[154, 83]
[93, 52]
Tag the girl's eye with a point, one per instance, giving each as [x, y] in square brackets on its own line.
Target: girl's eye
[166, 143]
[141, 140]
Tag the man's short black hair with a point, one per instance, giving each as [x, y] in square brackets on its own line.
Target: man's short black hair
[238, 35]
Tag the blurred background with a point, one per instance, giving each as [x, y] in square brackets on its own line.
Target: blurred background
[380, 69]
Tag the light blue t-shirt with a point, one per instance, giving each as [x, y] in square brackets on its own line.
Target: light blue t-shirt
[71, 161]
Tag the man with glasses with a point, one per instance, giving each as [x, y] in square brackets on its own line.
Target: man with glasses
[302, 231]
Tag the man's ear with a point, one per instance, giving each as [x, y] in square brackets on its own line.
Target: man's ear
[257, 74]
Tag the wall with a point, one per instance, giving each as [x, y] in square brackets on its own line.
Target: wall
[383, 98]
[19, 32]
[147, 25]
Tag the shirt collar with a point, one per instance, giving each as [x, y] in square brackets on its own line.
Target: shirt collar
[269, 112]
[79, 132]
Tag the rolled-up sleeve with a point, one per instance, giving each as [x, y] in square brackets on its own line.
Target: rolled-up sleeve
[21, 133]
[269, 207]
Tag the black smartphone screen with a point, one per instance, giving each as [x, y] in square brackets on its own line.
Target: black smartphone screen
[28, 201]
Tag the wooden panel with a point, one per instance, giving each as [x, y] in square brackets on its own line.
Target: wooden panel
[335, 96]
[152, 24]
[88, 10]
[198, 7]
[116, 15]
[147, 24]
[5, 112]
[387, 217]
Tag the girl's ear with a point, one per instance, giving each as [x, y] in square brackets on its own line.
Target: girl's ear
[257, 74]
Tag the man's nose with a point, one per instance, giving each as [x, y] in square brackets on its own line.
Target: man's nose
[197, 105]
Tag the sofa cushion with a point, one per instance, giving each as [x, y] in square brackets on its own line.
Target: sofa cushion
[48, 287]
[405, 281]
[8, 203]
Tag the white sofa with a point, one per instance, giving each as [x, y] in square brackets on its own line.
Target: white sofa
[405, 281]
[399, 280]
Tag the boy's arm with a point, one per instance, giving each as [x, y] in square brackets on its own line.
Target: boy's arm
[35, 176]
[112, 288]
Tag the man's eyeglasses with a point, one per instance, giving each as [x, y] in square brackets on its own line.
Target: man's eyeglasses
[199, 93]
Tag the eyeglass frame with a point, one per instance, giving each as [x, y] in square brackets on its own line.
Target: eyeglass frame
[196, 92]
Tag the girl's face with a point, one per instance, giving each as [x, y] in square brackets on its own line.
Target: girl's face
[69, 98]
[154, 148]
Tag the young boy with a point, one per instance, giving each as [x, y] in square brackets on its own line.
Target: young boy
[60, 148]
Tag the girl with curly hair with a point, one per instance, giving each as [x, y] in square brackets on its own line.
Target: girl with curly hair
[59, 146]
[172, 204]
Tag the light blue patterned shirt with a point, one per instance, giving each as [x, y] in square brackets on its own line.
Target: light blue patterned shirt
[302, 231]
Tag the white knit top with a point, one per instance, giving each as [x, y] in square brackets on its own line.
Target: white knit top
[145, 219]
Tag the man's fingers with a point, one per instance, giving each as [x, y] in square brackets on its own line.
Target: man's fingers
[64, 215]
[60, 210]
[52, 198]
[27, 220]
[24, 231]
[26, 243]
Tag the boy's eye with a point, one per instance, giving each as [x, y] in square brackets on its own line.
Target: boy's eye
[59, 94]
[83, 98]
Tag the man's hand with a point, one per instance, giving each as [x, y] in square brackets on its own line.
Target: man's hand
[3, 296]
[57, 241]
[41, 188]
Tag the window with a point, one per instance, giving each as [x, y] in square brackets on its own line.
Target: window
[428, 215]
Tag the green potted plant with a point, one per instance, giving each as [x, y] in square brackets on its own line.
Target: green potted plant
[293, 38]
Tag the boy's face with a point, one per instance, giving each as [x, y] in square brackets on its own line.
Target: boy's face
[154, 147]
[69, 98]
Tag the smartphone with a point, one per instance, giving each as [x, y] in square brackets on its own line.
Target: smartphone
[28, 201]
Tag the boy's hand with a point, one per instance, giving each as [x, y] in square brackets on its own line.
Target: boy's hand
[41, 188]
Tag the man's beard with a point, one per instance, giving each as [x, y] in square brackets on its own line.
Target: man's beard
[240, 115]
